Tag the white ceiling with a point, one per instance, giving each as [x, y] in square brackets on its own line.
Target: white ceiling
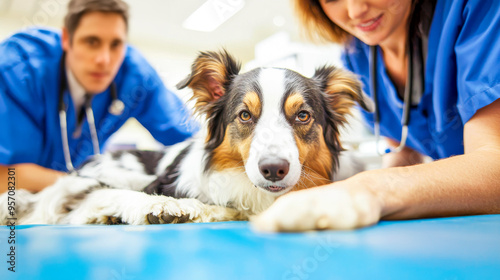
[159, 23]
[239, 34]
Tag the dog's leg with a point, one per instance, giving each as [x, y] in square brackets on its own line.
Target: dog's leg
[108, 206]
[52, 204]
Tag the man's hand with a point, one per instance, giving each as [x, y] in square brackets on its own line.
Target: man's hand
[29, 176]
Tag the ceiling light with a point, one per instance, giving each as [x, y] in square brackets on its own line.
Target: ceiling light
[212, 14]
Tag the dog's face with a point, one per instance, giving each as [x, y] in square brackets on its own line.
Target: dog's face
[278, 126]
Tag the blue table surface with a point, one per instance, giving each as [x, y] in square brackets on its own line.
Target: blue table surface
[444, 248]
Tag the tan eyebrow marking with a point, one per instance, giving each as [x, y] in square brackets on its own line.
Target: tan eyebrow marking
[252, 101]
[293, 103]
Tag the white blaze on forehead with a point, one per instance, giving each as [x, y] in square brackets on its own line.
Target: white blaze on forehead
[272, 122]
[272, 84]
[273, 135]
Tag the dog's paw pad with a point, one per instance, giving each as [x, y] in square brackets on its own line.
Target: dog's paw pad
[153, 219]
[173, 219]
[183, 219]
[112, 220]
[166, 218]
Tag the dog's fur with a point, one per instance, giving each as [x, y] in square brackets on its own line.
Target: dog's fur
[268, 131]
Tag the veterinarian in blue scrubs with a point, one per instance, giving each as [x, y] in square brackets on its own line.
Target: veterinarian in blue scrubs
[440, 62]
[50, 80]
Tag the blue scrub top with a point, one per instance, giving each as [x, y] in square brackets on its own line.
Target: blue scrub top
[29, 89]
[462, 75]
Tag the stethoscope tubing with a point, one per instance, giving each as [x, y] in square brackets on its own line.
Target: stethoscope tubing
[406, 101]
[116, 108]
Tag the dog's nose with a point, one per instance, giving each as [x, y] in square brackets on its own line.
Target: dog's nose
[274, 169]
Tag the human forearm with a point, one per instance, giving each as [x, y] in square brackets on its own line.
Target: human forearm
[29, 176]
[461, 185]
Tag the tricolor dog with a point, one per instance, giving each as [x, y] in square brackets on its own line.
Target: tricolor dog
[266, 132]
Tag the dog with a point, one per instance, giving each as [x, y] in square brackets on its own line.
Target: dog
[266, 132]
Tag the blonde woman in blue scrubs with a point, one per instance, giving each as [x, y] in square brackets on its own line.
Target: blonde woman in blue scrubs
[449, 52]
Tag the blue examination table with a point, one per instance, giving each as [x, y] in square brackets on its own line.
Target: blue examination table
[444, 248]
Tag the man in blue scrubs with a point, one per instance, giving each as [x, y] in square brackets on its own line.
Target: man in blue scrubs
[34, 77]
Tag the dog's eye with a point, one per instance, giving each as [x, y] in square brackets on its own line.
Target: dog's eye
[303, 117]
[245, 116]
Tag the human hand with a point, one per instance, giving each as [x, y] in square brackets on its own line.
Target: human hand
[335, 206]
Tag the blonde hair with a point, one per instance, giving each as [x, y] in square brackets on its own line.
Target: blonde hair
[316, 24]
[320, 28]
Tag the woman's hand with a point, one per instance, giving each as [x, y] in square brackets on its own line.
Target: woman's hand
[405, 157]
[341, 205]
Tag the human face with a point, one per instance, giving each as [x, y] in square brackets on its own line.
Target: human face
[96, 51]
[374, 22]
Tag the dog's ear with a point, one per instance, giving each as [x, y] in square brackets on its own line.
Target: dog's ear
[211, 74]
[343, 89]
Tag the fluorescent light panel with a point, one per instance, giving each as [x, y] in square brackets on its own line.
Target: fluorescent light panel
[212, 14]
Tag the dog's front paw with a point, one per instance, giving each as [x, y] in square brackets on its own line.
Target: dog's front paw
[189, 210]
[175, 211]
[320, 208]
[165, 218]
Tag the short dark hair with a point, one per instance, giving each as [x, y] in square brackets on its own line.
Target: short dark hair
[78, 8]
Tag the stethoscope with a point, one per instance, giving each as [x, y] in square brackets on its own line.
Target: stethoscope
[406, 105]
[116, 108]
